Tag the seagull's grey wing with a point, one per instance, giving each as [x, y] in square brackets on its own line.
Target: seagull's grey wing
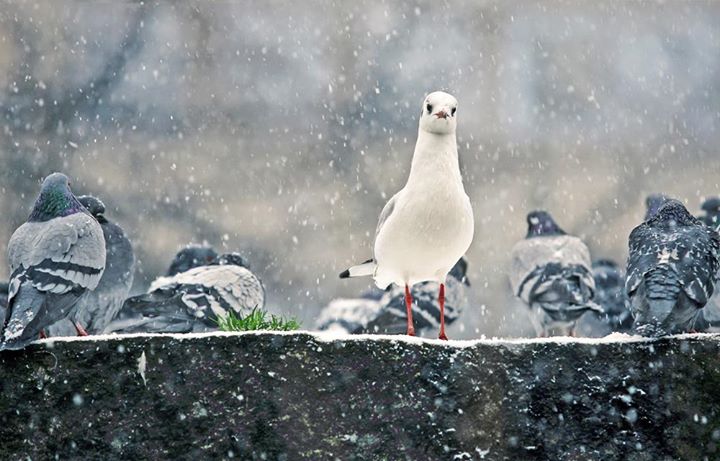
[386, 213]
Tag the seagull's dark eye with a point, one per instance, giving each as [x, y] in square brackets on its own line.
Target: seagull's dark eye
[452, 112]
[429, 108]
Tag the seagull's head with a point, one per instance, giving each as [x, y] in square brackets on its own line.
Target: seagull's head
[439, 112]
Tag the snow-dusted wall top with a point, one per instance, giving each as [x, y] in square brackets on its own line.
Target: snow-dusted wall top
[300, 396]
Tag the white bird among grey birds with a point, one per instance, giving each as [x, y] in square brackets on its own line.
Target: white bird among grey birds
[55, 258]
[551, 272]
[428, 225]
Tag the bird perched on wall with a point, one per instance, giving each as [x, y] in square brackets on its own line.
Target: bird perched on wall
[55, 258]
[610, 295]
[386, 315]
[97, 308]
[428, 225]
[551, 272]
[653, 202]
[194, 300]
[671, 270]
[711, 207]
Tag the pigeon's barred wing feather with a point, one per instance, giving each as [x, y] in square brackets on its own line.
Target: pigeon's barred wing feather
[71, 247]
[530, 256]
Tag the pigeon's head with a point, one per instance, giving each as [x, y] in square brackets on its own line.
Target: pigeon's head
[540, 224]
[711, 206]
[653, 202]
[94, 205]
[673, 213]
[55, 199]
[459, 271]
[232, 259]
[438, 113]
[191, 256]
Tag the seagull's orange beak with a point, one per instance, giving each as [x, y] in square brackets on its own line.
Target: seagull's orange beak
[442, 114]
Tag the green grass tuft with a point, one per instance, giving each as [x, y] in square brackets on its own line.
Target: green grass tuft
[258, 319]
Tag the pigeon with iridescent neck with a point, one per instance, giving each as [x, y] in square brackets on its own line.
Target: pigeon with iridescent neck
[552, 273]
[428, 225]
[672, 264]
[55, 258]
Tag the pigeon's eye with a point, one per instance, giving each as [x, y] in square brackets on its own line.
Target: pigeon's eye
[452, 112]
[429, 108]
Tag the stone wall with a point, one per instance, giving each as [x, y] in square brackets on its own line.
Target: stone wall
[300, 396]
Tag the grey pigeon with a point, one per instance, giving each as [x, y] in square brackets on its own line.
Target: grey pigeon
[653, 202]
[55, 258]
[552, 273]
[194, 300]
[610, 295]
[387, 315]
[672, 264]
[3, 299]
[97, 308]
[711, 207]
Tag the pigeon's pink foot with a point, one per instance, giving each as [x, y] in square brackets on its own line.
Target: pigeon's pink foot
[42, 334]
[80, 330]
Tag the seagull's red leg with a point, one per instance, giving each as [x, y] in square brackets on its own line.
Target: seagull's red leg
[80, 330]
[441, 299]
[42, 334]
[408, 306]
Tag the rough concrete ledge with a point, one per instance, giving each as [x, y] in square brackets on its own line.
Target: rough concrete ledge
[304, 396]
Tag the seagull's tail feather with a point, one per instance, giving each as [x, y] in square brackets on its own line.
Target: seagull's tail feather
[361, 270]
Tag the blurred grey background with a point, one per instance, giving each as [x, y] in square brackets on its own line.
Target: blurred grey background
[280, 128]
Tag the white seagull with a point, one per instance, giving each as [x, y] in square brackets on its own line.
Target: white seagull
[427, 226]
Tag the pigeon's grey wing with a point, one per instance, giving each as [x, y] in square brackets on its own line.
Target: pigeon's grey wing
[30, 310]
[530, 256]
[70, 250]
[386, 213]
[644, 251]
[698, 262]
[229, 287]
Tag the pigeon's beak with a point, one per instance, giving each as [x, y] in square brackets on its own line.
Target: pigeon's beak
[442, 114]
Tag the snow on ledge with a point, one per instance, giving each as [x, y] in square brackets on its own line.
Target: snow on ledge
[328, 337]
